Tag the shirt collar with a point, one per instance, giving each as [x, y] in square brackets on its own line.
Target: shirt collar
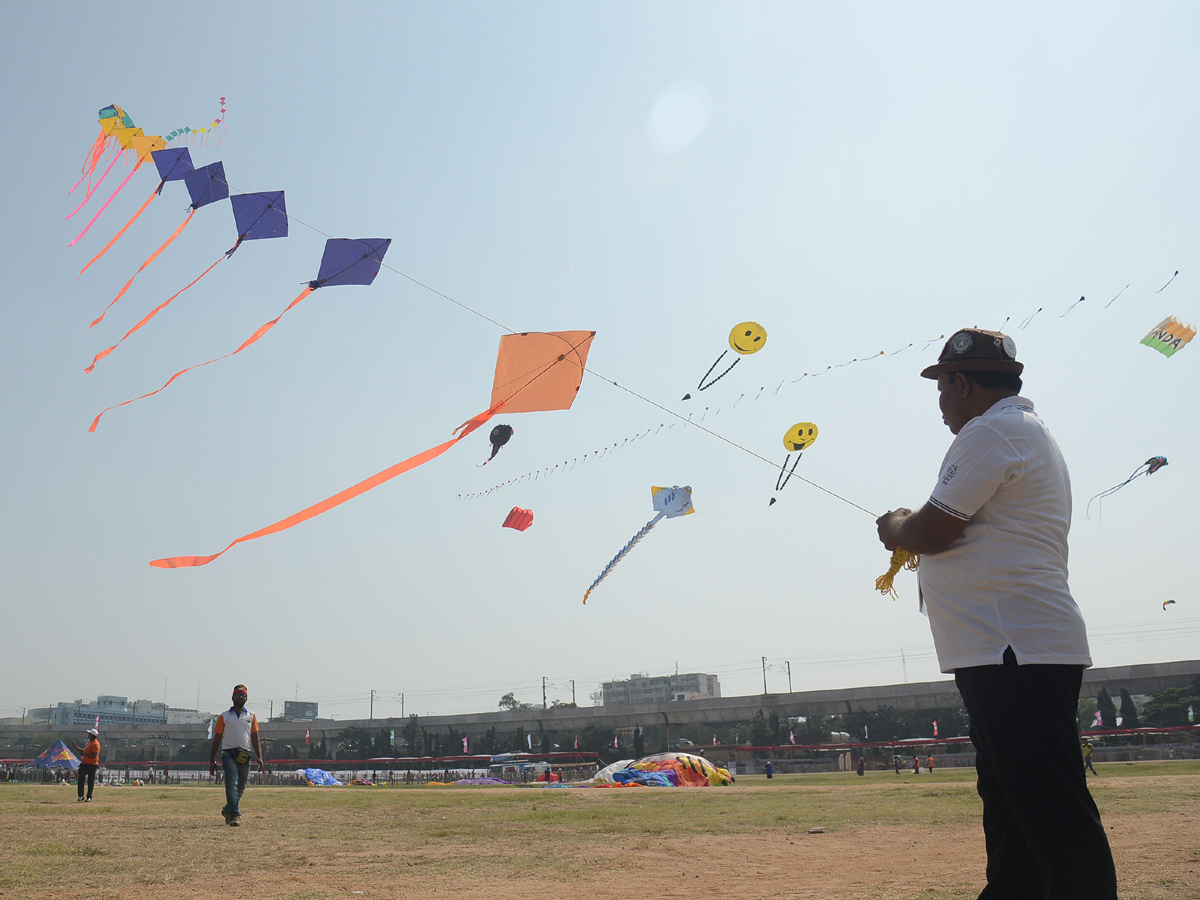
[1008, 403]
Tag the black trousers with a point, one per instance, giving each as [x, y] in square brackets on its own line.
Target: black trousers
[1041, 827]
[86, 772]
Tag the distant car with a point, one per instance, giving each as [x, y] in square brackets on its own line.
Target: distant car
[684, 742]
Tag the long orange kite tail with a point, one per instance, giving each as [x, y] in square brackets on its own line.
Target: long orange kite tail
[150, 315]
[91, 160]
[153, 194]
[263, 329]
[153, 256]
[106, 202]
[180, 562]
[91, 189]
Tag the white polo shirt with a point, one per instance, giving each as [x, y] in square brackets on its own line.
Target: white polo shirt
[235, 730]
[1003, 582]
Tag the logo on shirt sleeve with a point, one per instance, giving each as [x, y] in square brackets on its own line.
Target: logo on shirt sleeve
[951, 470]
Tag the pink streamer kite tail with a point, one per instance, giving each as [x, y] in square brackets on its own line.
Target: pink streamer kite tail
[106, 202]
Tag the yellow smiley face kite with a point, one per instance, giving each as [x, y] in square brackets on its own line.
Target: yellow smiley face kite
[800, 437]
[747, 338]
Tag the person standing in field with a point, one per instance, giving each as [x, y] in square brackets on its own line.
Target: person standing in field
[929, 763]
[89, 762]
[235, 735]
[916, 765]
[993, 581]
[1087, 758]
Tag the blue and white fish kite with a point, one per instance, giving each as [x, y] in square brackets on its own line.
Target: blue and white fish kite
[669, 502]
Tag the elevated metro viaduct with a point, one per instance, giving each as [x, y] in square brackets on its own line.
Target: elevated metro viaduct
[1139, 679]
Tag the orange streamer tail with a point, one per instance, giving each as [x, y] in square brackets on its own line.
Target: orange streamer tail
[91, 188]
[92, 159]
[178, 562]
[263, 329]
[153, 256]
[119, 233]
[150, 315]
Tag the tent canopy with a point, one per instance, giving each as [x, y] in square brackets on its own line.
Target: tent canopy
[56, 756]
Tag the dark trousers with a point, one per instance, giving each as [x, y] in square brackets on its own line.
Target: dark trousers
[1041, 827]
[89, 773]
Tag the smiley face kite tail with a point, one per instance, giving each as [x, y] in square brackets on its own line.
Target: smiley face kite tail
[796, 440]
[744, 339]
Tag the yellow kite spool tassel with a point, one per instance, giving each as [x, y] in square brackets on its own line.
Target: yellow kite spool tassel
[901, 559]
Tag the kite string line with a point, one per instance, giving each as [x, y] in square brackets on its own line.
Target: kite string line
[722, 437]
[390, 268]
[597, 374]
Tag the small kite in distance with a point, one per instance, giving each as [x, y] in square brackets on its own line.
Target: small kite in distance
[1169, 336]
[744, 339]
[499, 437]
[1167, 603]
[518, 518]
[796, 440]
[670, 502]
[1149, 467]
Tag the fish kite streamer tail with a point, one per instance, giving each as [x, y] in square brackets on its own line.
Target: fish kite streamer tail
[901, 559]
[179, 562]
[624, 550]
[262, 329]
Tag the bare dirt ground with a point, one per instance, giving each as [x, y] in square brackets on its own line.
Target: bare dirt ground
[508, 844]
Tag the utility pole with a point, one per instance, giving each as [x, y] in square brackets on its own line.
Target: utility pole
[543, 692]
[904, 665]
[572, 691]
[789, 671]
[764, 659]
[371, 714]
[402, 706]
[272, 713]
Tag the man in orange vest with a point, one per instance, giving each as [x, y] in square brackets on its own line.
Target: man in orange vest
[235, 734]
[89, 762]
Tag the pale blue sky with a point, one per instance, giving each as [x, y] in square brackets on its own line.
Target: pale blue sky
[856, 178]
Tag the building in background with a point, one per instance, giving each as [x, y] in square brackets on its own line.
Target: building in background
[114, 710]
[660, 689]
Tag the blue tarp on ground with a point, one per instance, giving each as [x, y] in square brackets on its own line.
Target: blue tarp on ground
[319, 778]
[56, 756]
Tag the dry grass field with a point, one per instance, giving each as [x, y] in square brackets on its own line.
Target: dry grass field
[886, 836]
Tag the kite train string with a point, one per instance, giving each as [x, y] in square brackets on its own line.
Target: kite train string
[900, 558]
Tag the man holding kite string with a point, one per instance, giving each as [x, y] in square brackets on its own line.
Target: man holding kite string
[993, 582]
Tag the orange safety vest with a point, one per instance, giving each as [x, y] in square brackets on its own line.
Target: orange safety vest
[91, 753]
